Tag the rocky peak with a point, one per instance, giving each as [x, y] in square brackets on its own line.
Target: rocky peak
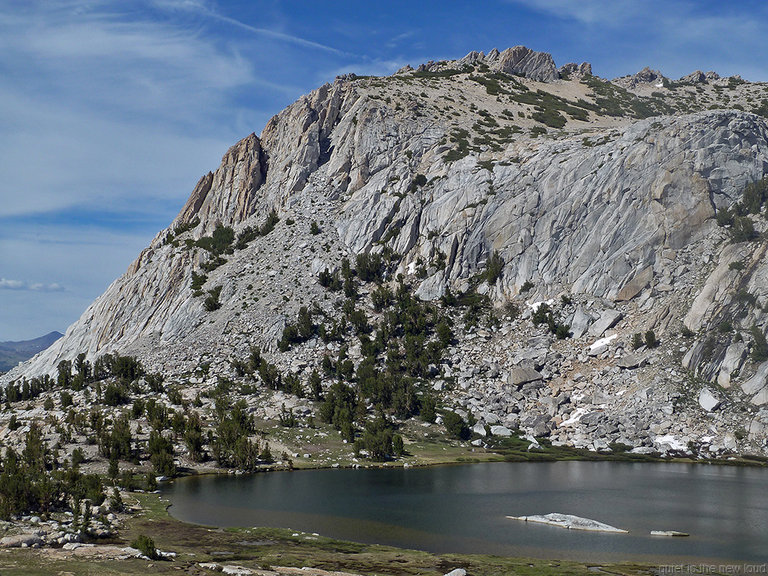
[578, 71]
[644, 76]
[228, 196]
[699, 77]
[522, 61]
[517, 61]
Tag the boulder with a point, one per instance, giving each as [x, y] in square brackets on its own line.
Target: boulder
[607, 320]
[580, 322]
[519, 376]
[630, 361]
[708, 400]
[501, 431]
[636, 285]
[21, 541]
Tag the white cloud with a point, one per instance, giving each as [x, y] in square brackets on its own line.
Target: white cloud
[53, 272]
[6, 284]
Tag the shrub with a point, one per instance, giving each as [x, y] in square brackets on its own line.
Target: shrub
[398, 447]
[198, 281]
[637, 341]
[742, 229]
[316, 385]
[146, 546]
[737, 265]
[369, 267]
[724, 217]
[220, 242]
[418, 181]
[754, 195]
[511, 310]
[250, 233]
[526, 287]
[126, 367]
[212, 302]
[66, 399]
[78, 456]
[377, 439]
[455, 426]
[495, 267]
[551, 118]
[314, 229]
[381, 298]
[562, 331]
[542, 314]
[330, 281]
[115, 395]
[427, 408]
[759, 344]
[650, 339]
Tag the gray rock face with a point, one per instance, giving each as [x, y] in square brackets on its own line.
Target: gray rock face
[757, 385]
[229, 195]
[617, 213]
[699, 77]
[645, 76]
[572, 69]
[607, 320]
[619, 205]
[522, 61]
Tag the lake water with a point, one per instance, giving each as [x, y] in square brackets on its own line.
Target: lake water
[464, 508]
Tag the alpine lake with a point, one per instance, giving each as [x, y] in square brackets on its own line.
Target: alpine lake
[465, 508]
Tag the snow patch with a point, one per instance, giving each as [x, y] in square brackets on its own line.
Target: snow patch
[670, 441]
[603, 341]
[535, 305]
[574, 418]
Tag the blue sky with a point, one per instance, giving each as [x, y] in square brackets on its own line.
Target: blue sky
[110, 111]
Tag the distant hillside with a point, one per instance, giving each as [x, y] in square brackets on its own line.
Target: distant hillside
[11, 353]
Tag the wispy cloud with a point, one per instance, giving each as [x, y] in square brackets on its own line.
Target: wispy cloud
[6, 284]
[603, 12]
[210, 10]
[674, 36]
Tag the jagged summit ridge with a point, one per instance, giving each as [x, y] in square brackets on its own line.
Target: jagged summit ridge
[518, 61]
